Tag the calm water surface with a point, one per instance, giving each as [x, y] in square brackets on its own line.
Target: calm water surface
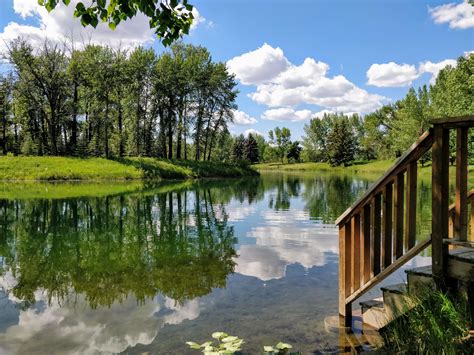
[144, 269]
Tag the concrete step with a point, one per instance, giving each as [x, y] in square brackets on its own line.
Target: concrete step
[377, 313]
[420, 278]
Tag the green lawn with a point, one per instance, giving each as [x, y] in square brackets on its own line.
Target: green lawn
[61, 168]
[372, 169]
[379, 166]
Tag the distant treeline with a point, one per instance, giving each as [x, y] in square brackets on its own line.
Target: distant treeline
[98, 101]
[389, 131]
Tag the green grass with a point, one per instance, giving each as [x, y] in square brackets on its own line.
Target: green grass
[379, 166]
[372, 169]
[438, 324]
[96, 169]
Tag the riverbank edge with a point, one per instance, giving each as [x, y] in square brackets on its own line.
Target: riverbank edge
[56, 169]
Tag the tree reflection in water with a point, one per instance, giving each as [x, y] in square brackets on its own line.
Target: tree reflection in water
[178, 244]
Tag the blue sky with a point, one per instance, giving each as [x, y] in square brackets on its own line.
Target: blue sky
[403, 43]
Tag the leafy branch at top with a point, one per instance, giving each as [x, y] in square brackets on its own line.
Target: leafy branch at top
[169, 18]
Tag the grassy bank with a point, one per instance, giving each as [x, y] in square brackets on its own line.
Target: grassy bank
[61, 168]
[372, 169]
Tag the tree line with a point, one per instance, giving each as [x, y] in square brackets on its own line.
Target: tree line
[99, 101]
[389, 131]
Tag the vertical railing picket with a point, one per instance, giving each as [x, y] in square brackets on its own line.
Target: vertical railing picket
[355, 251]
[399, 209]
[376, 236]
[387, 216]
[366, 227]
[411, 192]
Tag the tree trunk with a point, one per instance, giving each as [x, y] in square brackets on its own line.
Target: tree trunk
[106, 128]
[120, 127]
[73, 140]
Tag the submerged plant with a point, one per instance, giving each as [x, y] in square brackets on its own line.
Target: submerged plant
[226, 344]
[279, 349]
[229, 344]
[438, 324]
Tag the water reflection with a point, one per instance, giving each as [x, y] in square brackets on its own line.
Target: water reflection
[145, 270]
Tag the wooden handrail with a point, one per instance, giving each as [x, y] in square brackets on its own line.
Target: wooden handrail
[470, 198]
[377, 234]
[420, 147]
[390, 269]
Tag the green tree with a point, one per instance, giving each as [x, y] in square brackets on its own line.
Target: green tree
[251, 152]
[294, 152]
[238, 148]
[341, 143]
[281, 138]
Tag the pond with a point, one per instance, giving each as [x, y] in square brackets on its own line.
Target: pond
[127, 268]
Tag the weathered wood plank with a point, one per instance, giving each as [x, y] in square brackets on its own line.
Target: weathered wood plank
[355, 244]
[366, 243]
[412, 174]
[460, 214]
[376, 234]
[387, 216]
[347, 258]
[455, 122]
[342, 270]
[399, 209]
[417, 249]
[457, 242]
[440, 202]
[420, 147]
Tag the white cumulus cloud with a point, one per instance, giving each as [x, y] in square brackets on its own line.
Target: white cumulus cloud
[434, 68]
[280, 83]
[60, 25]
[458, 16]
[243, 119]
[284, 114]
[391, 74]
[258, 66]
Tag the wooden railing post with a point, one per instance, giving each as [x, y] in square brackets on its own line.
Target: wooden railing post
[345, 309]
[399, 209]
[440, 202]
[387, 216]
[355, 251]
[365, 228]
[411, 205]
[376, 234]
[460, 214]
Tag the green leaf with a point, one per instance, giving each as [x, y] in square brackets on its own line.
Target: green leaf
[193, 345]
[112, 25]
[269, 349]
[283, 346]
[229, 339]
[218, 335]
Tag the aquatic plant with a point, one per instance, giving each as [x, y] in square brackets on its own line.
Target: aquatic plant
[226, 344]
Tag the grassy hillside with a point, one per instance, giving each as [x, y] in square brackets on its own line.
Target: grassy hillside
[61, 168]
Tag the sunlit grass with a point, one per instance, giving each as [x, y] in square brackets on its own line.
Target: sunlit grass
[61, 168]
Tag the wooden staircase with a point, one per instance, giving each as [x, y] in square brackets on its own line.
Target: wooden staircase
[377, 234]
